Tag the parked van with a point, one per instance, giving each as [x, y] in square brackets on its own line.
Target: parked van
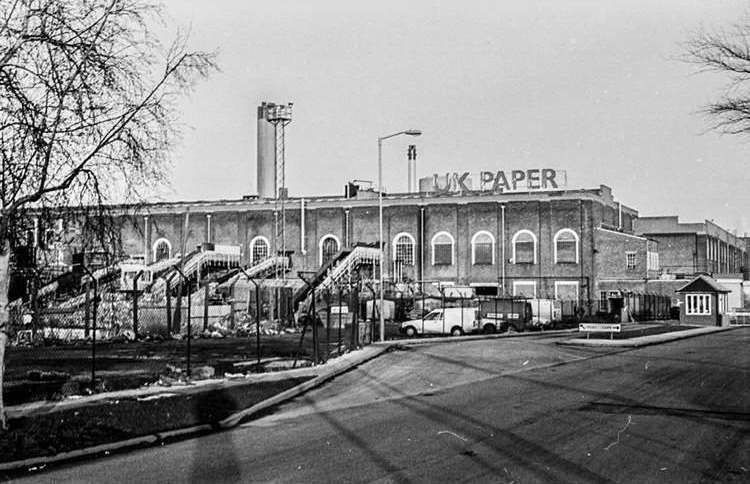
[501, 314]
[453, 321]
[545, 312]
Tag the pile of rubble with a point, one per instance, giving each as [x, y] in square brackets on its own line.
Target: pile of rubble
[244, 328]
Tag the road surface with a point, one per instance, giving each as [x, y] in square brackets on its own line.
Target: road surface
[506, 410]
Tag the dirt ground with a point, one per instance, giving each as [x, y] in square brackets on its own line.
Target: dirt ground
[52, 372]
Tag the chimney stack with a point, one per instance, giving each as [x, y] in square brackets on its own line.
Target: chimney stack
[411, 157]
[266, 157]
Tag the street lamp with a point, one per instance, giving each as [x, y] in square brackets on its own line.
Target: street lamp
[408, 132]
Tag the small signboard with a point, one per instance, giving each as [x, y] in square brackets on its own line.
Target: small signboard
[500, 316]
[599, 327]
[339, 309]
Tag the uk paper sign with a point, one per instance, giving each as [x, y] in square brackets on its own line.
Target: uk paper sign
[501, 181]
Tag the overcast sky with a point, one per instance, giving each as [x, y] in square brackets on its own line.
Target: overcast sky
[589, 86]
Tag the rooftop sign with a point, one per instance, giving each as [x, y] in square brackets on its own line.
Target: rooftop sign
[502, 181]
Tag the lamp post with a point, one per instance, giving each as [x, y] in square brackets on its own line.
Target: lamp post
[408, 132]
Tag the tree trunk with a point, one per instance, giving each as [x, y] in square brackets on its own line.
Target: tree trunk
[4, 317]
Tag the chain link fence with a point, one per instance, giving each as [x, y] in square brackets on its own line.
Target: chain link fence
[107, 339]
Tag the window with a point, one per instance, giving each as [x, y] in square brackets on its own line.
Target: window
[566, 247]
[486, 290]
[403, 249]
[524, 289]
[630, 260]
[524, 247]
[329, 247]
[698, 304]
[483, 248]
[259, 248]
[566, 290]
[162, 250]
[442, 249]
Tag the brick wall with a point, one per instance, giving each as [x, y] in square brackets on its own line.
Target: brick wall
[610, 257]
[462, 220]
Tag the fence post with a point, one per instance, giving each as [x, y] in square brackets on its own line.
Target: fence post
[177, 321]
[354, 298]
[36, 323]
[461, 304]
[86, 308]
[93, 334]
[135, 303]
[498, 321]
[257, 320]
[328, 323]
[205, 307]
[421, 311]
[338, 346]
[354, 295]
[189, 328]
[442, 306]
[169, 307]
[314, 329]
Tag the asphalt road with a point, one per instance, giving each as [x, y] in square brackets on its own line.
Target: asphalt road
[506, 410]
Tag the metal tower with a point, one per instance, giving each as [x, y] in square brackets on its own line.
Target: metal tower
[279, 115]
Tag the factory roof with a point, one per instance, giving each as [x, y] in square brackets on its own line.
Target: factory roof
[603, 194]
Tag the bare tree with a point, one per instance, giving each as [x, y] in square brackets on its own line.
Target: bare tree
[87, 109]
[726, 52]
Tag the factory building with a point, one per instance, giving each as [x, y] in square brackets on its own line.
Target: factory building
[555, 243]
[691, 248]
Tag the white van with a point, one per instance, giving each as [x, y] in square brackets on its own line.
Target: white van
[453, 321]
[544, 312]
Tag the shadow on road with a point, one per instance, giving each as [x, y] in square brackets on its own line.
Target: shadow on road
[219, 462]
[535, 459]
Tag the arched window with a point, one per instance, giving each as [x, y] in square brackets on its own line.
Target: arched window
[566, 246]
[442, 249]
[259, 248]
[328, 248]
[524, 247]
[162, 250]
[403, 249]
[483, 248]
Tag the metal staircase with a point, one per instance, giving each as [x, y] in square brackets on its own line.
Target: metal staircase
[192, 267]
[264, 269]
[338, 269]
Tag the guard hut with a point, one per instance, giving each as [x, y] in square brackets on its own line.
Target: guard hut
[703, 301]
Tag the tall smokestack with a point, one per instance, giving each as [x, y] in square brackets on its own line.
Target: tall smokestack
[266, 160]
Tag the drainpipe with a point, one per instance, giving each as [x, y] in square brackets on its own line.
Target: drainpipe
[502, 245]
[579, 254]
[346, 227]
[421, 249]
